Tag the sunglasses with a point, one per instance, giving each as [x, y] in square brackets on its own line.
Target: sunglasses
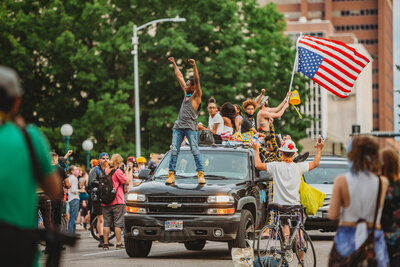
[104, 158]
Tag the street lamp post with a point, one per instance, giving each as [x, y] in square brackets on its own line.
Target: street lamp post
[135, 43]
[87, 145]
[66, 131]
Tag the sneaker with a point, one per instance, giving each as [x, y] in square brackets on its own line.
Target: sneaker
[170, 178]
[110, 244]
[105, 247]
[200, 176]
[119, 246]
[101, 243]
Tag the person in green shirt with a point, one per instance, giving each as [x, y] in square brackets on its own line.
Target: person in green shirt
[18, 200]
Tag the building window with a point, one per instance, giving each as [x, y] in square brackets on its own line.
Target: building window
[356, 27]
[357, 12]
[369, 41]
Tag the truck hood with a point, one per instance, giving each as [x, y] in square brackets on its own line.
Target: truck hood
[159, 188]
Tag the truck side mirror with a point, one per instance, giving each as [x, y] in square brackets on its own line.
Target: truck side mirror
[144, 174]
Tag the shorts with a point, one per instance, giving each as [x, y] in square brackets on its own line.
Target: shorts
[346, 244]
[97, 209]
[114, 214]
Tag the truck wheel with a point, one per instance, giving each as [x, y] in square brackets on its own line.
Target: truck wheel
[137, 248]
[245, 233]
[195, 245]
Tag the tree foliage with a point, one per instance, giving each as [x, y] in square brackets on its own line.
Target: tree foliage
[75, 61]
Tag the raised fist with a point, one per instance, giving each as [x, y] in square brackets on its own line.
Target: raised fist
[192, 62]
[263, 91]
[171, 59]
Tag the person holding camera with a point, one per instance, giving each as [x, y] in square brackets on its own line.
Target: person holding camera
[93, 185]
[114, 212]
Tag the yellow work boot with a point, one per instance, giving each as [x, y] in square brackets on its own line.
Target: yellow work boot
[200, 175]
[170, 178]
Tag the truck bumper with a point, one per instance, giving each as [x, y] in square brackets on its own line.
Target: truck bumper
[151, 227]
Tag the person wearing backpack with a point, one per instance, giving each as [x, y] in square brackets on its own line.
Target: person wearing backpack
[97, 210]
[111, 194]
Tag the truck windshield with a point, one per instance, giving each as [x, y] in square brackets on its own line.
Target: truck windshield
[218, 165]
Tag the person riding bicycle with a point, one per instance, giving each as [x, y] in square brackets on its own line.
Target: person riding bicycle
[97, 210]
[287, 174]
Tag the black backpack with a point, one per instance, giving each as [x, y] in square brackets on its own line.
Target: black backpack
[106, 192]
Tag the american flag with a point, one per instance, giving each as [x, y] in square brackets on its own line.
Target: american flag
[332, 64]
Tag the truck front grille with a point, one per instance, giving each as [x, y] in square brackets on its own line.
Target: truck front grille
[181, 210]
[170, 199]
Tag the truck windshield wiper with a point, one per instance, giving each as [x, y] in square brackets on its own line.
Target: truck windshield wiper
[216, 177]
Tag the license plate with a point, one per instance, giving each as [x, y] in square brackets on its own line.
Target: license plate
[173, 225]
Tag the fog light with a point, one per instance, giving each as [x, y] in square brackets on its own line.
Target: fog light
[221, 211]
[218, 233]
[135, 232]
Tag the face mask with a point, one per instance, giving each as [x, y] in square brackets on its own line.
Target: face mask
[141, 167]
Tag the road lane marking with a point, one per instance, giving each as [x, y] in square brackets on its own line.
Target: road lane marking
[103, 252]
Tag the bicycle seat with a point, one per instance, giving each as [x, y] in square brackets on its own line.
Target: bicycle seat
[284, 208]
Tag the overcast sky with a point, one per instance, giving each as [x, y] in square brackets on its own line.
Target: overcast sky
[396, 61]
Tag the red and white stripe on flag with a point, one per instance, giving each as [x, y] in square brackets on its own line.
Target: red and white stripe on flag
[340, 67]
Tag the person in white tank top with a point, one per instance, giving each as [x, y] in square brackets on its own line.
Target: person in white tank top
[354, 197]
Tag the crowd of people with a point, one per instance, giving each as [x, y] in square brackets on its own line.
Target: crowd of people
[369, 193]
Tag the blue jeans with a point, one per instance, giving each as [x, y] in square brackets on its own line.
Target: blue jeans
[177, 138]
[73, 214]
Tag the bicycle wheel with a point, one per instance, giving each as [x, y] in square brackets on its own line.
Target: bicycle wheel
[269, 247]
[95, 234]
[305, 251]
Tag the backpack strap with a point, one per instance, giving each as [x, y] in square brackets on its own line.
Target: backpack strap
[37, 173]
[97, 171]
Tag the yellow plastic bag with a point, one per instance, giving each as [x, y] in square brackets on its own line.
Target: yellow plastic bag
[311, 198]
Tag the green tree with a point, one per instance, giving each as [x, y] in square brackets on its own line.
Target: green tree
[75, 61]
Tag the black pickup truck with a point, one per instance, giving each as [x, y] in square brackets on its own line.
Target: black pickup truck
[229, 208]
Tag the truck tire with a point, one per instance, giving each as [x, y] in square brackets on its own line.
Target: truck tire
[137, 248]
[245, 231]
[195, 245]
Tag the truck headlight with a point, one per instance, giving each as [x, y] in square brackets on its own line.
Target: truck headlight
[136, 197]
[220, 199]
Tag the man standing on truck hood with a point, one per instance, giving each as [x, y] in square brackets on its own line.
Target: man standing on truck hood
[186, 124]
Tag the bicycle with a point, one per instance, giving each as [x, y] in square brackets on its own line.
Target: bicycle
[95, 234]
[271, 247]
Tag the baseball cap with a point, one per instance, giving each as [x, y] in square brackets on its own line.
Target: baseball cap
[288, 146]
[131, 159]
[9, 81]
[102, 154]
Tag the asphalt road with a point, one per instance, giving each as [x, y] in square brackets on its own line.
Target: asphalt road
[87, 254]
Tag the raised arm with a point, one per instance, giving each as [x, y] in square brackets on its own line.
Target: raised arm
[257, 161]
[314, 164]
[178, 74]
[278, 108]
[279, 113]
[197, 88]
[258, 102]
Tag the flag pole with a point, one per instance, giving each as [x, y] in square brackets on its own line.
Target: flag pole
[294, 65]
